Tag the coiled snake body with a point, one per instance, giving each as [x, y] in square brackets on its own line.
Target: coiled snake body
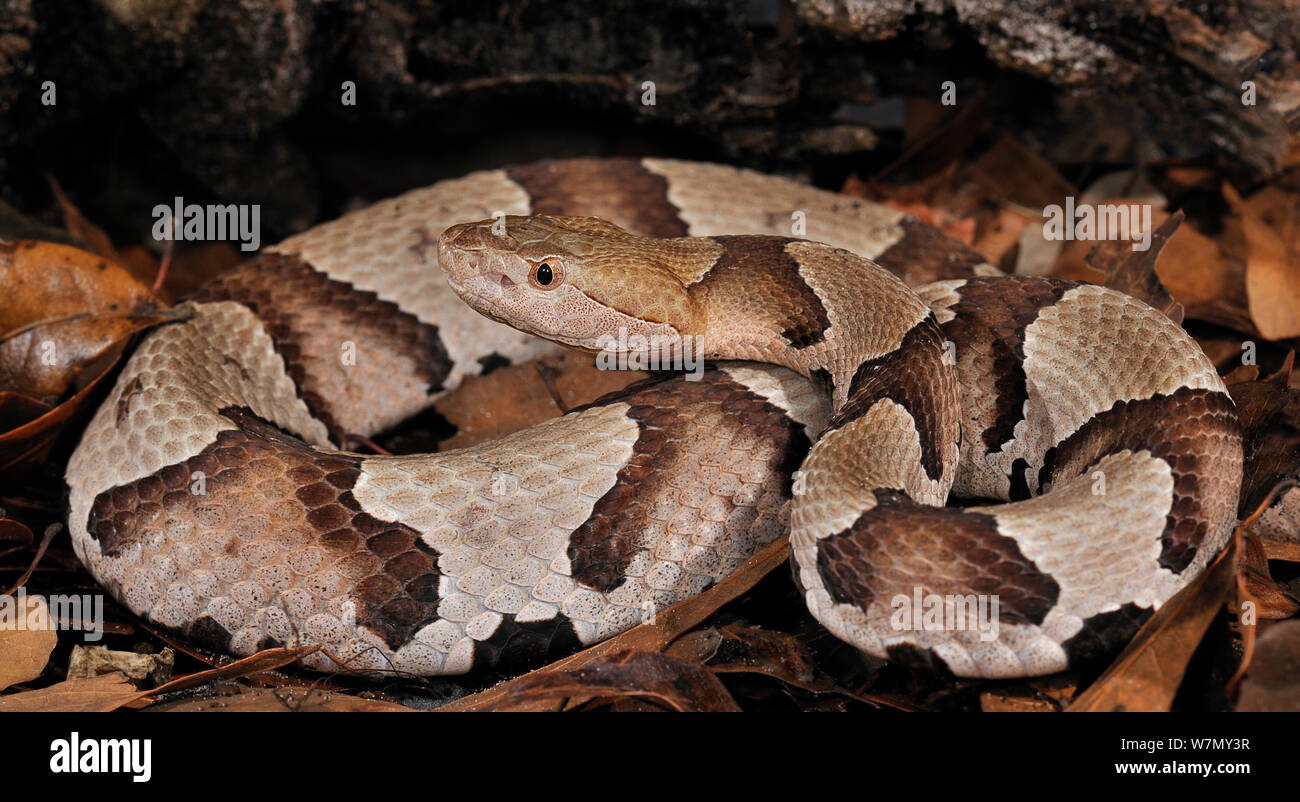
[208, 496]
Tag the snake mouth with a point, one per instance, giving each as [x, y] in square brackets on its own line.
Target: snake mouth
[472, 295]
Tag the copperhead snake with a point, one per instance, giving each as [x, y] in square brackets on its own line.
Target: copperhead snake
[208, 495]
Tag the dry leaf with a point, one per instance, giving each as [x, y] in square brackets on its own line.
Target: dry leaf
[281, 700]
[516, 396]
[14, 535]
[680, 684]
[265, 660]
[67, 323]
[95, 695]
[739, 647]
[111, 691]
[1013, 173]
[1133, 272]
[1209, 283]
[941, 201]
[1016, 700]
[24, 652]
[1269, 411]
[1272, 263]
[1273, 602]
[1272, 682]
[80, 227]
[1001, 236]
[64, 309]
[937, 135]
[29, 441]
[17, 409]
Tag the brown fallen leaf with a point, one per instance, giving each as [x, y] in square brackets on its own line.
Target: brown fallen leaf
[936, 135]
[1272, 601]
[997, 241]
[111, 691]
[1269, 411]
[741, 648]
[1015, 174]
[667, 626]
[1146, 675]
[516, 396]
[24, 652]
[1270, 221]
[1198, 273]
[1283, 551]
[265, 660]
[1016, 699]
[29, 441]
[15, 225]
[80, 227]
[1133, 272]
[17, 409]
[1060, 687]
[1244, 599]
[191, 267]
[1272, 683]
[683, 685]
[942, 201]
[65, 308]
[14, 535]
[1225, 351]
[70, 316]
[94, 695]
[280, 700]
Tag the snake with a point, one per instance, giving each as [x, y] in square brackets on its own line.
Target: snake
[979, 474]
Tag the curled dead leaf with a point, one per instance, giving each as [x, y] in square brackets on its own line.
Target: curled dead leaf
[66, 308]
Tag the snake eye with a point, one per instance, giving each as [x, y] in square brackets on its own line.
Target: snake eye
[546, 275]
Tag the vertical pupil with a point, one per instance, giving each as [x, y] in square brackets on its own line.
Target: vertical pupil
[544, 274]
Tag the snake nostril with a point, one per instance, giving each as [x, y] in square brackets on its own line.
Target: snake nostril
[506, 283]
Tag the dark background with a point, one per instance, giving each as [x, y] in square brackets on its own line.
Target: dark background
[239, 101]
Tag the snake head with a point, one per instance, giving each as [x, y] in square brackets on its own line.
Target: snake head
[574, 280]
